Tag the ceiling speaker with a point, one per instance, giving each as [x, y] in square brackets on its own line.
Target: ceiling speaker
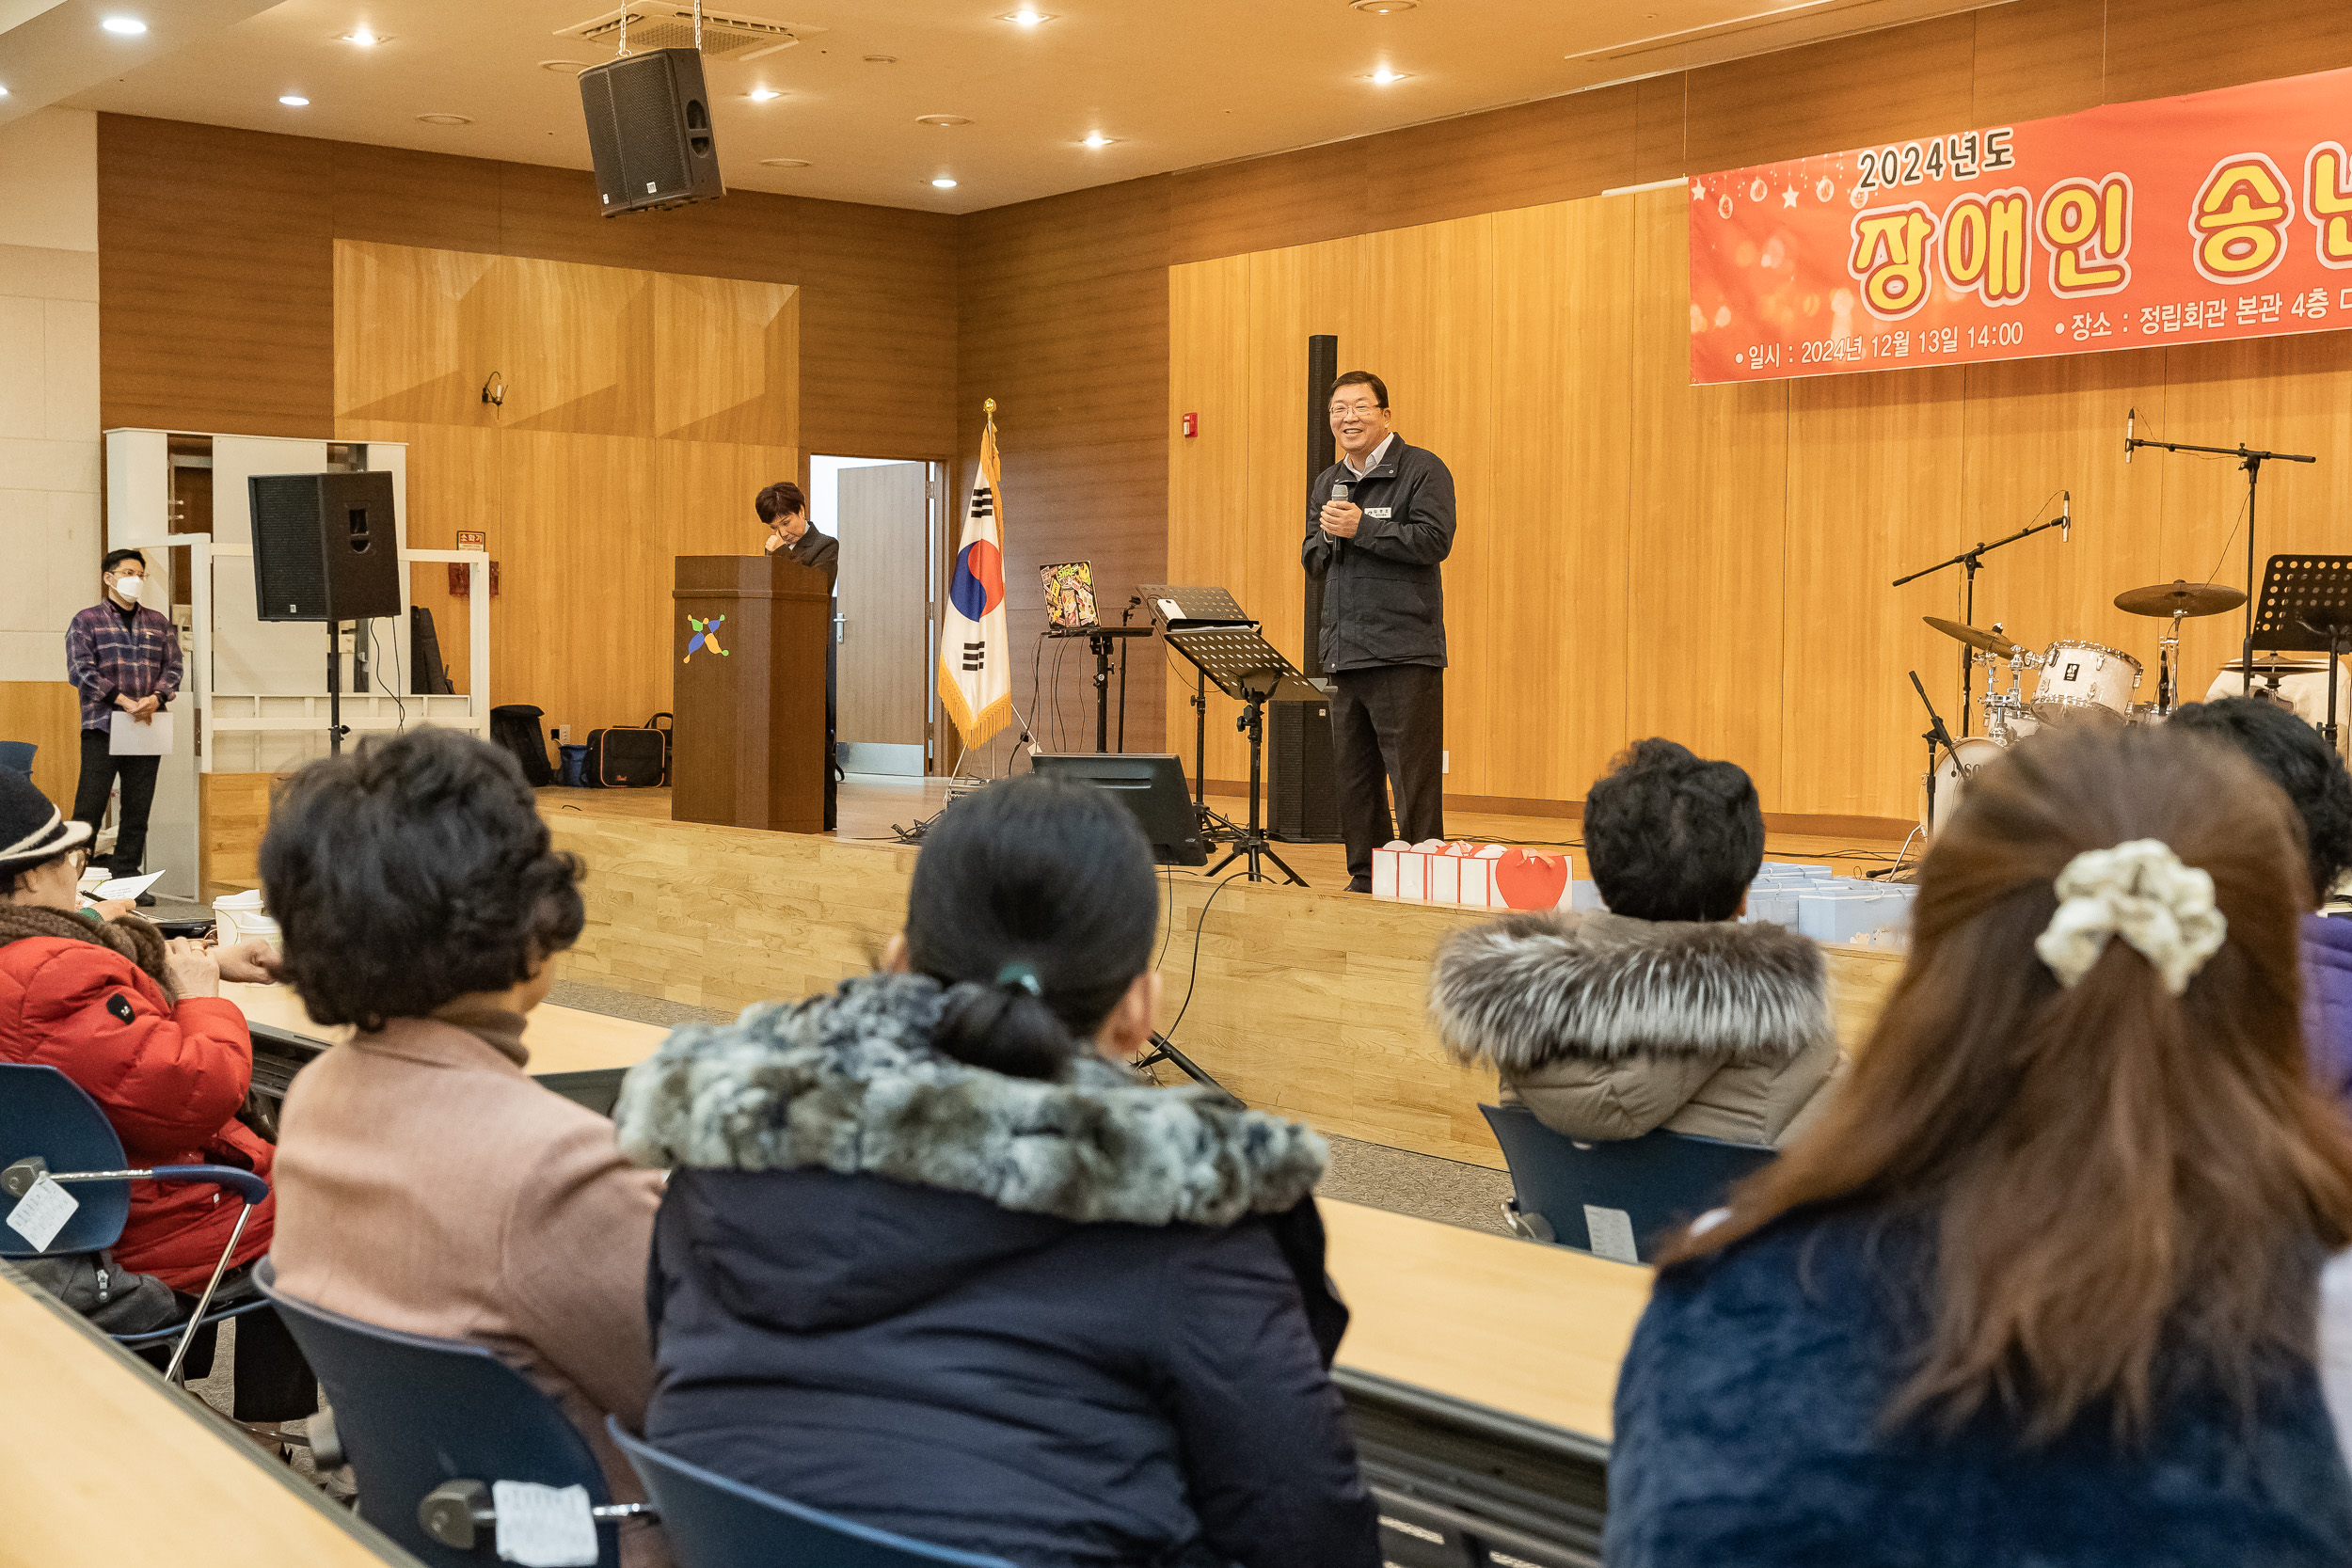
[649, 132]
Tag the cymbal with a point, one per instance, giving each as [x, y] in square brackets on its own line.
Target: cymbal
[2179, 598]
[1989, 642]
[2279, 667]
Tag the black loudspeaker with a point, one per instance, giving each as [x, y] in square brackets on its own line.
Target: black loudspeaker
[326, 546]
[1302, 787]
[649, 132]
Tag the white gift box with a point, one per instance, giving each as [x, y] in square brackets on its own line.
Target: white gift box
[1459, 873]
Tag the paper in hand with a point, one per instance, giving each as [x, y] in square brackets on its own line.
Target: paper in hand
[128, 738]
[124, 887]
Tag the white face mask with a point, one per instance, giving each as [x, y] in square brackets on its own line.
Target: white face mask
[128, 588]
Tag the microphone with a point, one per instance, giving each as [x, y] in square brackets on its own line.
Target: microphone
[2130, 420]
[2066, 517]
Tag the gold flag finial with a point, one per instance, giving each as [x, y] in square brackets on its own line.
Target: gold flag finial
[988, 406]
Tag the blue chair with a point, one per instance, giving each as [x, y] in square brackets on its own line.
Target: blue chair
[429, 1425]
[712, 1522]
[1634, 1190]
[48, 1126]
[17, 756]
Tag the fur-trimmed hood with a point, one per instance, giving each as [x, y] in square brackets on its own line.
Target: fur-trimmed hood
[1530, 989]
[849, 1083]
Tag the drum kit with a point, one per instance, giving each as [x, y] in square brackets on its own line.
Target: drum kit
[2080, 683]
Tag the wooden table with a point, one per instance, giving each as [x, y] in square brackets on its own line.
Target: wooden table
[1534, 1331]
[559, 1039]
[101, 1461]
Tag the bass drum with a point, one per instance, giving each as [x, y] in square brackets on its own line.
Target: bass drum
[1951, 780]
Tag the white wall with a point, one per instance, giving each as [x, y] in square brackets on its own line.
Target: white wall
[49, 440]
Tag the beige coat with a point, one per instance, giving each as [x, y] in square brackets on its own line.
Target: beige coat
[1608, 1027]
[427, 1183]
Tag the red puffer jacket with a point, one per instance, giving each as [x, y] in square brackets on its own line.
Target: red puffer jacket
[169, 1079]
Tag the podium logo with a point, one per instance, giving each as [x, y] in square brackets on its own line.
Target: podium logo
[705, 636]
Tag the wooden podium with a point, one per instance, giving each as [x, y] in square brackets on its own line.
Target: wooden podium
[750, 749]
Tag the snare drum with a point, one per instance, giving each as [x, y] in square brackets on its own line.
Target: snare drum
[1952, 778]
[2082, 681]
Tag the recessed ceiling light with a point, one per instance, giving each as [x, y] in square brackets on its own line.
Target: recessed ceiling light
[364, 38]
[942, 184]
[294, 100]
[564, 68]
[1027, 16]
[785, 163]
[1097, 139]
[129, 26]
[1383, 76]
[882, 60]
[446, 119]
[1384, 8]
[762, 95]
[941, 121]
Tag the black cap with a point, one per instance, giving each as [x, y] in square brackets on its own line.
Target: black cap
[31, 830]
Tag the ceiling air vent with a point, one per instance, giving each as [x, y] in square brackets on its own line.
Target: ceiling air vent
[658, 25]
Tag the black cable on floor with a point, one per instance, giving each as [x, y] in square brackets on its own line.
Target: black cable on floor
[1198, 926]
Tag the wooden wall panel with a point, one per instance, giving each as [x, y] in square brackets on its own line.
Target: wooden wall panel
[48, 714]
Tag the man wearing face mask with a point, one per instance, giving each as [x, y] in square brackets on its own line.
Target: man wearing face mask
[784, 507]
[123, 658]
[1377, 544]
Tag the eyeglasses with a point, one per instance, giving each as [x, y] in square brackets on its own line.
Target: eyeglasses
[1355, 407]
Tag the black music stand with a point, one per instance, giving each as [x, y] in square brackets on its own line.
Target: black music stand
[1179, 608]
[2305, 606]
[1253, 671]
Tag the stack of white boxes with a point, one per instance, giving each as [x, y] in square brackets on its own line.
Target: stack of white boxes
[1845, 910]
[1476, 876]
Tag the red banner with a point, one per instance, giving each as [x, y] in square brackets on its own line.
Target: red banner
[2220, 215]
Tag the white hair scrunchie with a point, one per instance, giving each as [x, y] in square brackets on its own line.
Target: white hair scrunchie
[2142, 892]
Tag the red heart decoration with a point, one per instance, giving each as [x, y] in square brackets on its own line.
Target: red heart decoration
[1531, 881]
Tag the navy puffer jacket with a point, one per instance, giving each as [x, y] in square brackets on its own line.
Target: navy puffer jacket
[1079, 1322]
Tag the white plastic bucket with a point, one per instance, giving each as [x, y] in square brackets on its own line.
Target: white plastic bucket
[240, 917]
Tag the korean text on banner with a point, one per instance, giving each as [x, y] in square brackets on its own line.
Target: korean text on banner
[974, 670]
[2219, 215]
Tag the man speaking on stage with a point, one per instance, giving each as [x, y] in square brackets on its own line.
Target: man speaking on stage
[1378, 522]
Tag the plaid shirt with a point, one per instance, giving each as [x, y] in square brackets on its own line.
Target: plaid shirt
[105, 657]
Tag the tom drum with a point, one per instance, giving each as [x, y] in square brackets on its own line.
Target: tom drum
[2083, 681]
[1951, 779]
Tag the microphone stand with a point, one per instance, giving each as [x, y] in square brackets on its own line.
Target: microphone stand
[2252, 462]
[1971, 560]
[1936, 736]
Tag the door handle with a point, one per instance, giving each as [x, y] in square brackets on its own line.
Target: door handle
[841, 628]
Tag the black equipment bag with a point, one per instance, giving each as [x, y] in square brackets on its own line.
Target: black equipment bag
[654, 723]
[626, 758]
[516, 726]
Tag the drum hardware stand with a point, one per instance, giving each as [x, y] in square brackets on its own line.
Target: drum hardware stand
[1970, 559]
[1249, 668]
[2252, 462]
[2305, 606]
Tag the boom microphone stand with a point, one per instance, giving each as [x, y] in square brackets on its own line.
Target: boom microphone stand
[2252, 462]
[1971, 560]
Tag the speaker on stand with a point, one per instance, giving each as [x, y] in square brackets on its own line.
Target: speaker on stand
[326, 547]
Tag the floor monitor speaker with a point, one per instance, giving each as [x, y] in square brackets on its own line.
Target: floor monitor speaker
[1302, 787]
[649, 131]
[326, 546]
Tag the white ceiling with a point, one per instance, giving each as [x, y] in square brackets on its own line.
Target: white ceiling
[1179, 84]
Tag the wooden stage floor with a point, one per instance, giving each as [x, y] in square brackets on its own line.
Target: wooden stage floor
[1311, 1002]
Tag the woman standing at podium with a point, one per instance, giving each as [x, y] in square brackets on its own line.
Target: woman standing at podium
[784, 507]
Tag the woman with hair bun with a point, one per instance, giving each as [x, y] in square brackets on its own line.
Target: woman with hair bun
[931, 1261]
[2042, 1286]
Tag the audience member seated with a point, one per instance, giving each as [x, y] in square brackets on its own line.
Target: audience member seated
[2299, 761]
[2041, 1287]
[139, 1023]
[1664, 1010]
[425, 1182]
[930, 1262]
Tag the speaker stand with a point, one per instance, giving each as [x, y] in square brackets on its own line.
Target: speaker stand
[336, 729]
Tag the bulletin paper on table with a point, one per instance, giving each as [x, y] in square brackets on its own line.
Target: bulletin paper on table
[2215, 215]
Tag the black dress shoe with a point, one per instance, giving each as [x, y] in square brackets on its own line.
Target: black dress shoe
[1359, 885]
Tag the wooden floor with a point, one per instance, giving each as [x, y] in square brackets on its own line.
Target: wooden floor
[1311, 1002]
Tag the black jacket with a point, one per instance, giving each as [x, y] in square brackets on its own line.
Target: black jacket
[821, 552]
[1077, 1322]
[1383, 598]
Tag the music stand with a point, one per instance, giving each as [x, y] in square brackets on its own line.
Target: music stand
[1176, 607]
[2305, 606]
[1253, 671]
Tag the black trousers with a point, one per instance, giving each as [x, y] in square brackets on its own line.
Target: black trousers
[268, 1378]
[100, 769]
[1387, 730]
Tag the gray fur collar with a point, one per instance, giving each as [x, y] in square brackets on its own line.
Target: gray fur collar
[849, 1083]
[1535, 987]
